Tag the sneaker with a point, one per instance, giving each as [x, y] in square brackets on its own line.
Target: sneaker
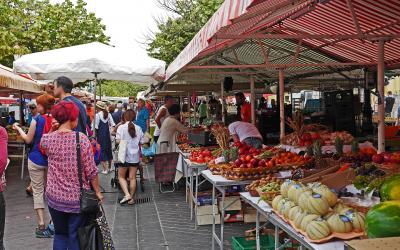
[51, 229]
[43, 233]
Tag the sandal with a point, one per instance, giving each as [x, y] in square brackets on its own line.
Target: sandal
[131, 202]
[125, 200]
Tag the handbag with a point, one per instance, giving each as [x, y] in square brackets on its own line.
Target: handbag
[89, 203]
[122, 147]
[101, 220]
[90, 237]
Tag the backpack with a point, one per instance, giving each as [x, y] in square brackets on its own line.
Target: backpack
[96, 148]
[46, 129]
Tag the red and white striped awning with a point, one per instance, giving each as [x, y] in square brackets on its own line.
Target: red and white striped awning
[298, 35]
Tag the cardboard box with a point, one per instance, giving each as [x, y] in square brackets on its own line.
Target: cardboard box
[233, 202]
[206, 210]
[234, 216]
[208, 219]
[374, 244]
[250, 215]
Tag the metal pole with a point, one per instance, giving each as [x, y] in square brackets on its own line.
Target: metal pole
[94, 117]
[252, 101]
[381, 100]
[223, 102]
[190, 113]
[282, 103]
[21, 108]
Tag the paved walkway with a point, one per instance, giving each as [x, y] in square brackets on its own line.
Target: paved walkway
[162, 223]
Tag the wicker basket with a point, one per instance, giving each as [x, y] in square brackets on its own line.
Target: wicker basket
[268, 196]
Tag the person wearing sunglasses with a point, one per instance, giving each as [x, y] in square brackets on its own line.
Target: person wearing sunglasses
[33, 112]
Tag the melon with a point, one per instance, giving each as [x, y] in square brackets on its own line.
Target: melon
[390, 189]
[340, 223]
[279, 206]
[307, 219]
[285, 187]
[298, 218]
[275, 201]
[286, 208]
[318, 229]
[295, 191]
[293, 212]
[339, 207]
[383, 220]
[328, 194]
[357, 219]
[316, 204]
[302, 202]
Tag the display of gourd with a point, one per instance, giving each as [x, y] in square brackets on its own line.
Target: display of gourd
[318, 229]
[286, 208]
[302, 201]
[295, 191]
[340, 223]
[279, 206]
[307, 219]
[298, 218]
[339, 207]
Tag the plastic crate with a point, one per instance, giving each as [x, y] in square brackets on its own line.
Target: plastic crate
[267, 242]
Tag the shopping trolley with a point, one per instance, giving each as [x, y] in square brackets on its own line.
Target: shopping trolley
[165, 169]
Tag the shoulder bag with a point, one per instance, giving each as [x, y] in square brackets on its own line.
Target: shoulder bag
[89, 203]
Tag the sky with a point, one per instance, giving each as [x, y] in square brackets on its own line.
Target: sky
[127, 21]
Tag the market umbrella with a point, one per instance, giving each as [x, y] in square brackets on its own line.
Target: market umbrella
[92, 61]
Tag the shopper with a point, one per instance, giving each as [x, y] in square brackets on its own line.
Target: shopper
[3, 165]
[245, 107]
[62, 89]
[63, 189]
[162, 113]
[104, 125]
[246, 133]
[37, 161]
[203, 111]
[117, 115]
[134, 137]
[171, 125]
[32, 111]
[143, 115]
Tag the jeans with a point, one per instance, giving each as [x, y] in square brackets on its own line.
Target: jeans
[254, 142]
[66, 229]
[2, 219]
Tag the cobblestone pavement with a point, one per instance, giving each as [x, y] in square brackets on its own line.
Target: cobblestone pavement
[162, 223]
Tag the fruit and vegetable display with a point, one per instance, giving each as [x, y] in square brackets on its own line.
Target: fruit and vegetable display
[221, 134]
[315, 211]
[383, 220]
[201, 156]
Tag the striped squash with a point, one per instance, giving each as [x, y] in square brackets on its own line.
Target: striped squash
[316, 204]
[275, 201]
[293, 212]
[307, 219]
[318, 229]
[340, 223]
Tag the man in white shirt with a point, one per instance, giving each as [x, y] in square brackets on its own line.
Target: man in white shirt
[246, 133]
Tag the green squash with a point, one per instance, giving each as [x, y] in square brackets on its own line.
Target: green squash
[390, 189]
[383, 220]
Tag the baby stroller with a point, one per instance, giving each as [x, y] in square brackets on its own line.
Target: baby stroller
[115, 181]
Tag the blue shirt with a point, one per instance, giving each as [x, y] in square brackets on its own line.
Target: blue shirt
[82, 113]
[34, 154]
[117, 116]
[141, 119]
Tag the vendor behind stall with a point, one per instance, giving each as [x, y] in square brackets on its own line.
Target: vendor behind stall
[246, 133]
[245, 107]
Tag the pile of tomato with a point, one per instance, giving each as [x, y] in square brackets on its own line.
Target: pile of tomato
[201, 156]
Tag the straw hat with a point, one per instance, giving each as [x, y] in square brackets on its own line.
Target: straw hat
[101, 105]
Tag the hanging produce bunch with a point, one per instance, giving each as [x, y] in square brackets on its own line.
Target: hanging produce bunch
[221, 134]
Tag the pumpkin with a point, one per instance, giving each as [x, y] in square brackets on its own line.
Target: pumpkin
[298, 218]
[328, 194]
[285, 187]
[318, 229]
[383, 220]
[293, 212]
[357, 219]
[307, 219]
[329, 214]
[390, 189]
[286, 208]
[295, 191]
[275, 201]
[339, 207]
[316, 204]
[302, 201]
[340, 223]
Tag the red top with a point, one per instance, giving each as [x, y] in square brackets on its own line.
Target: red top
[3, 154]
[245, 112]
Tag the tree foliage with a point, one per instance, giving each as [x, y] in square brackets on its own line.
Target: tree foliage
[119, 88]
[189, 16]
[28, 26]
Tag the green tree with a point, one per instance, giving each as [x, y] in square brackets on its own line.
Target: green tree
[28, 26]
[176, 32]
[119, 88]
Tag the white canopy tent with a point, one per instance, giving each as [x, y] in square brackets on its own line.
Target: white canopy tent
[92, 61]
[83, 62]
